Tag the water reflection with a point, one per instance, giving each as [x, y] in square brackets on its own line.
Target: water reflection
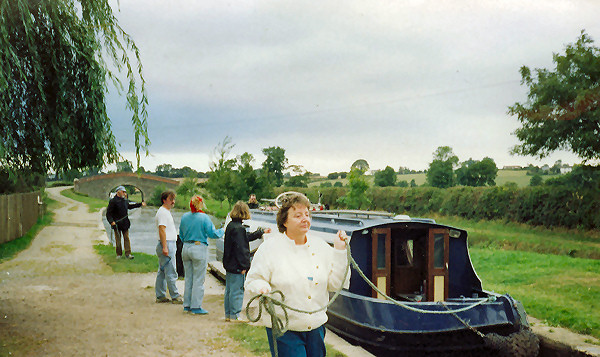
[144, 235]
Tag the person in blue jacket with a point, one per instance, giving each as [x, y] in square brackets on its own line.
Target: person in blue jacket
[236, 259]
[194, 230]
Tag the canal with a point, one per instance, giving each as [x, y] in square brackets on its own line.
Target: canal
[143, 233]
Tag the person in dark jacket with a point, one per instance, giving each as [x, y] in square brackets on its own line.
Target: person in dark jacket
[252, 202]
[117, 216]
[236, 259]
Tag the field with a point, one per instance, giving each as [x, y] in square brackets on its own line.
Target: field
[519, 177]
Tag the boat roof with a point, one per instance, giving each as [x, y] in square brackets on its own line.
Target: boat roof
[330, 221]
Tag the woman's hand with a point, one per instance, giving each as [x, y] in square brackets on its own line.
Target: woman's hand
[340, 241]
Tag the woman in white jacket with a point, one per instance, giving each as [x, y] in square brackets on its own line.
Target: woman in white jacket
[305, 269]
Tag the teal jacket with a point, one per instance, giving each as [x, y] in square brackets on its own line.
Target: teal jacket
[197, 227]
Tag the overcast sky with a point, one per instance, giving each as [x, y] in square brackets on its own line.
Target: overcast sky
[335, 81]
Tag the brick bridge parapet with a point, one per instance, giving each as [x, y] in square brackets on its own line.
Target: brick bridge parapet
[100, 186]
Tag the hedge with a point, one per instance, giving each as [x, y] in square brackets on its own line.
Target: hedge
[548, 206]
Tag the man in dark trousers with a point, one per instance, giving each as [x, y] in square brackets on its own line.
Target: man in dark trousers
[117, 216]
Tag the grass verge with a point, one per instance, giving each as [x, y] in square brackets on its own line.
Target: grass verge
[94, 204]
[254, 339]
[143, 263]
[522, 237]
[9, 249]
[561, 290]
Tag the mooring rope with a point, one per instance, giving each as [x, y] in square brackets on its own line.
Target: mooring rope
[278, 327]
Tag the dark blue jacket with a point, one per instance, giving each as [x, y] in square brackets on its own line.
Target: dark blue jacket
[117, 212]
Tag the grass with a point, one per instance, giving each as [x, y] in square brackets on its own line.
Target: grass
[10, 249]
[143, 263]
[561, 290]
[254, 339]
[522, 237]
[94, 204]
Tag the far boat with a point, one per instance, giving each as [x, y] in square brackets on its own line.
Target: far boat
[441, 307]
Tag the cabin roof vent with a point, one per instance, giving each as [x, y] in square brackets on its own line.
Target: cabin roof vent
[402, 217]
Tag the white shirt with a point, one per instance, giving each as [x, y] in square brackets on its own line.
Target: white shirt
[303, 273]
[164, 218]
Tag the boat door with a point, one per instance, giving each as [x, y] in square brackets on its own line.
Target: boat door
[381, 257]
[438, 251]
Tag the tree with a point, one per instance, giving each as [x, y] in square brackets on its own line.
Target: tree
[477, 173]
[360, 164]
[274, 164]
[222, 180]
[386, 177]
[164, 170]
[333, 176]
[441, 169]
[55, 59]
[248, 179]
[124, 166]
[356, 198]
[535, 180]
[562, 110]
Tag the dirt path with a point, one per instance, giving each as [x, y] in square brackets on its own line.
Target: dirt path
[57, 298]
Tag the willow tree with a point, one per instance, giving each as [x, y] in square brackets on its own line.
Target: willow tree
[562, 110]
[57, 60]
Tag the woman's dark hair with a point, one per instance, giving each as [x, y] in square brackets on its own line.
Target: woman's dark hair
[286, 203]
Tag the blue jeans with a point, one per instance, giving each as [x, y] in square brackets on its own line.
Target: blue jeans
[299, 343]
[167, 272]
[195, 262]
[234, 294]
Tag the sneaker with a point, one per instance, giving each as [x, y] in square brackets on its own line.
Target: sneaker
[129, 256]
[239, 319]
[186, 309]
[119, 257]
[178, 300]
[198, 311]
[163, 300]
[227, 319]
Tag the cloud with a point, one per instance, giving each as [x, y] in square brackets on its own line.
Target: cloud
[386, 81]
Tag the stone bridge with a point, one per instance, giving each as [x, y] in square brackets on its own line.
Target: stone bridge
[100, 186]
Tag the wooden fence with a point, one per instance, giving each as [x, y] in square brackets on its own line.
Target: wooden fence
[18, 213]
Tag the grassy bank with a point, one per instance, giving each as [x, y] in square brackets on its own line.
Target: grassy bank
[561, 290]
[94, 204]
[143, 263]
[9, 249]
[522, 237]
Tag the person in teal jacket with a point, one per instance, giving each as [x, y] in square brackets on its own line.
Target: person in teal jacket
[194, 230]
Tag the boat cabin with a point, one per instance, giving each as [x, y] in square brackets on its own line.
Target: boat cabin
[409, 259]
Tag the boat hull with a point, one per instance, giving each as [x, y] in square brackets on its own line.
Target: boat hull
[388, 329]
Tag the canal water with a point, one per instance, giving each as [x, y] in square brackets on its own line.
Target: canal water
[143, 233]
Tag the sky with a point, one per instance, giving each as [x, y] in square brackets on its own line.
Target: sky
[336, 81]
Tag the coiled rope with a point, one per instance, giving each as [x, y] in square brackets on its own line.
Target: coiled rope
[268, 302]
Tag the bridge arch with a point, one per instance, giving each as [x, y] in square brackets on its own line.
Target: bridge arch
[100, 186]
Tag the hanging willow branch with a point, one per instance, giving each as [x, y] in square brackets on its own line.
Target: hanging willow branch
[54, 70]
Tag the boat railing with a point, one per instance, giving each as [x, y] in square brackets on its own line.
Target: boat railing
[354, 213]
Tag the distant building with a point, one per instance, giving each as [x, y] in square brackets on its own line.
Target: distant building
[565, 169]
[512, 167]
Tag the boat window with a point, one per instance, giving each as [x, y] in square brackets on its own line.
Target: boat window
[381, 251]
[438, 250]
[404, 253]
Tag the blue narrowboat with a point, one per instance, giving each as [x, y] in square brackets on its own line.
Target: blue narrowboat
[439, 306]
